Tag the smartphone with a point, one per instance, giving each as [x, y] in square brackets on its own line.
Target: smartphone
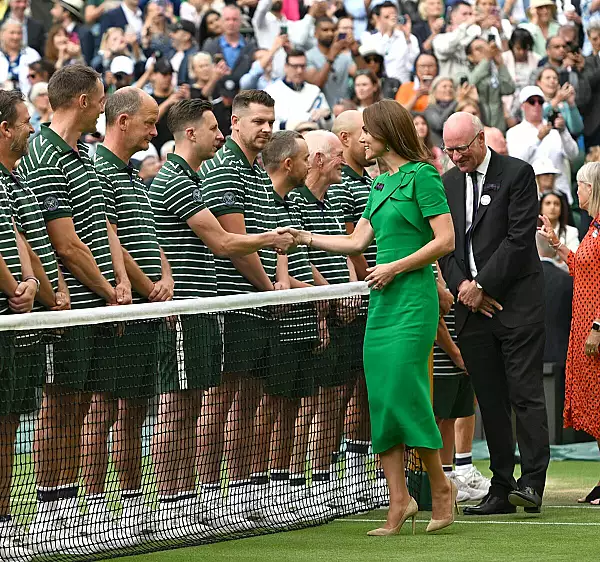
[217, 58]
[283, 30]
[341, 36]
[464, 80]
[401, 20]
[491, 38]
[563, 77]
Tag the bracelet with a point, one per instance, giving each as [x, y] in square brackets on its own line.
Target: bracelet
[37, 282]
[556, 246]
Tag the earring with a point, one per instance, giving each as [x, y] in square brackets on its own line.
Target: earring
[387, 147]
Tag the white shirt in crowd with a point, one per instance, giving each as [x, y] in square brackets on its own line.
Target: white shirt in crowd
[523, 142]
[449, 48]
[28, 56]
[481, 173]
[399, 55]
[135, 22]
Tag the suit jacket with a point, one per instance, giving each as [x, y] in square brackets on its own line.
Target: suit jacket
[558, 292]
[36, 36]
[508, 266]
[591, 111]
[113, 18]
[243, 64]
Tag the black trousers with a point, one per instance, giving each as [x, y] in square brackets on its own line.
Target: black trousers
[505, 365]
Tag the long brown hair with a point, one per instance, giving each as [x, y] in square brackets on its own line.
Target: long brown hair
[390, 123]
[51, 52]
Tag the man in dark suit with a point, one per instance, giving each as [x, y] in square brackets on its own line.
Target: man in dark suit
[496, 276]
[591, 111]
[34, 34]
[127, 14]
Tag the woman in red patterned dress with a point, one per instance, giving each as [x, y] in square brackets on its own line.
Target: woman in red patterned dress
[582, 390]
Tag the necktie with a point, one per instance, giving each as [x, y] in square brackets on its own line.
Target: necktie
[469, 235]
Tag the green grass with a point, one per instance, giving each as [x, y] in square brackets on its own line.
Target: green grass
[559, 533]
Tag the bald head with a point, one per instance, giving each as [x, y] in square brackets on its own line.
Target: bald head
[128, 101]
[462, 122]
[495, 140]
[321, 142]
[348, 127]
[326, 157]
[349, 121]
[464, 141]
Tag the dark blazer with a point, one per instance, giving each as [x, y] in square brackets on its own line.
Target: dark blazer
[591, 111]
[558, 292]
[509, 269]
[244, 62]
[113, 18]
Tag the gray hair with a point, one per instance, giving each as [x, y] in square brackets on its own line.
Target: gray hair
[594, 26]
[282, 146]
[319, 142]
[124, 101]
[590, 173]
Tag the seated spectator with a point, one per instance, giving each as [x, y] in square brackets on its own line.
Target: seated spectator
[442, 104]
[222, 106]
[115, 43]
[40, 71]
[521, 62]
[196, 10]
[69, 14]
[545, 175]
[183, 40]
[340, 107]
[60, 51]
[42, 111]
[450, 47]
[469, 105]
[414, 95]
[127, 16]
[431, 24]
[155, 35]
[206, 76]
[488, 17]
[495, 140]
[34, 33]
[535, 138]
[373, 61]
[542, 24]
[560, 99]
[395, 40]
[14, 58]
[440, 158]
[593, 155]
[296, 100]
[367, 89]
[489, 75]
[149, 167]
[120, 74]
[590, 111]
[210, 27]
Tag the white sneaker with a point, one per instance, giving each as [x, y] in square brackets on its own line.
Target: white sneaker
[381, 492]
[465, 492]
[136, 518]
[97, 521]
[476, 480]
[362, 491]
[13, 543]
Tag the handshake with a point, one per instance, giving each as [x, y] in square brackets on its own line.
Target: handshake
[287, 238]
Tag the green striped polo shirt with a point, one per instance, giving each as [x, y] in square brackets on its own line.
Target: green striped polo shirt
[353, 194]
[128, 207]
[175, 197]
[230, 184]
[65, 183]
[323, 217]
[8, 241]
[30, 221]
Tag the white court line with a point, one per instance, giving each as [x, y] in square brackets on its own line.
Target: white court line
[557, 523]
[579, 506]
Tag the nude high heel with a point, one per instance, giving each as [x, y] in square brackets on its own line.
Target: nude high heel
[438, 524]
[411, 511]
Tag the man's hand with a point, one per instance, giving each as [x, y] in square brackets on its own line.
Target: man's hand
[406, 28]
[318, 9]
[22, 300]
[62, 301]
[281, 285]
[347, 309]
[163, 290]
[559, 123]
[123, 292]
[458, 360]
[324, 338]
[470, 295]
[543, 130]
[591, 344]
[318, 114]
[446, 301]
[283, 240]
[437, 26]
[489, 306]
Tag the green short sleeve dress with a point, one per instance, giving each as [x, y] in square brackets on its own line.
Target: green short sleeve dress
[403, 316]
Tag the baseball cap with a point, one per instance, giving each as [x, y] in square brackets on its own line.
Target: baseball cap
[229, 89]
[544, 166]
[184, 25]
[530, 92]
[122, 64]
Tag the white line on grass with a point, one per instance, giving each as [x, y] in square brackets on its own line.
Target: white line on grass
[585, 506]
[565, 523]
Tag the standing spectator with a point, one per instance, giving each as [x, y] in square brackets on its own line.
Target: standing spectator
[38, 96]
[367, 90]
[414, 95]
[69, 14]
[431, 25]
[184, 44]
[34, 34]
[206, 76]
[373, 61]
[440, 160]
[155, 36]
[395, 40]
[40, 71]
[582, 391]
[590, 111]
[488, 17]
[60, 51]
[492, 80]
[535, 138]
[210, 27]
[268, 21]
[14, 58]
[195, 10]
[115, 43]
[127, 16]
[495, 140]
[542, 24]
[449, 47]
[560, 100]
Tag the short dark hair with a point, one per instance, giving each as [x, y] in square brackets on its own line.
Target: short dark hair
[294, 53]
[387, 4]
[469, 47]
[282, 145]
[125, 100]
[323, 19]
[460, 3]
[246, 97]
[69, 83]
[549, 40]
[8, 105]
[522, 38]
[185, 112]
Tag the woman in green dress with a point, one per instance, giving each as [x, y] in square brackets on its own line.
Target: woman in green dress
[408, 215]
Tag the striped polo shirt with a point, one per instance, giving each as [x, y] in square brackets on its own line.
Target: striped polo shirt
[230, 184]
[175, 197]
[322, 217]
[65, 183]
[128, 207]
[8, 241]
[30, 221]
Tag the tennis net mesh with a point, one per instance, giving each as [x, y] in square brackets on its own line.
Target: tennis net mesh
[132, 429]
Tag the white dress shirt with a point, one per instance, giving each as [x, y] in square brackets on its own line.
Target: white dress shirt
[399, 55]
[134, 20]
[481, 173]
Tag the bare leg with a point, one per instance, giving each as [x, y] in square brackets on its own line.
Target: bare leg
[186, 467]
[441, 489]
[127, 442]
[393, 467]
[283, 438]
[302, 434]
[464, 431]
[264, 423]
[8, 433]
[447, 431]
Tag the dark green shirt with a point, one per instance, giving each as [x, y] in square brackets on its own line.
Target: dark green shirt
[128, 207]
[8, 241]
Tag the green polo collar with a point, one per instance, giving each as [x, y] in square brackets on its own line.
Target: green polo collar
[112, 158]
[55, 139]
[234, 147]
[4, 170]
[310, 196]
[349, 171]
[182, 163]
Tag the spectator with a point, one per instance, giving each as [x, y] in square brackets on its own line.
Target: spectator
[593, 155]
[268, 65]
[42, 112]
[373, 60]
[560, 100]
[268, 22]
[520, 62]
[302, 35]
[121, 73]
[590, 111]
[431, 23]
[367, 89]
[237, 51]
[489, 19]
[222, 106]
[69, 15]
[14, 58]
[545, 175]
[127, 16]
[358, 12]
[555, 207]
[492, 80]
[184, 44]
[115, 43]
[450, 47]
[469, 105]
[535, 138]
[210, 27]
[542, 24]
[296, 100]
[60, 51]
[149, 167]
[393, 37]
[196, 10]
[95, 9]
[414, 95]
[154, 36]
[206, 76]
[340, 107]
[40, 71]
[495, 140]
[440, 160]
[328, 65]
[34, 34]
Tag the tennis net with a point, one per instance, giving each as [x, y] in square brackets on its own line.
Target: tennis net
[180, 423]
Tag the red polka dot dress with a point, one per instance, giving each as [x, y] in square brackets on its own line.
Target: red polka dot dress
[582, 390]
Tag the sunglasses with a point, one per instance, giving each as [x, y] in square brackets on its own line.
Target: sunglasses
[372, 58]
[535, 101]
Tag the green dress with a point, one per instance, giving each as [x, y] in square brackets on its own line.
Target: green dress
[403, 316]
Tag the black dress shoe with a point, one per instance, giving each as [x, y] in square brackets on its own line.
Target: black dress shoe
[490, 505]
[525, 497]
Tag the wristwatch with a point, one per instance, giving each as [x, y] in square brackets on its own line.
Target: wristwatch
[478, 285]
[37, 282]
[596, 326]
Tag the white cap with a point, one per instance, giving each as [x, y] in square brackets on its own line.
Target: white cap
[529, 92]
[370, 46]
[544, 166]
[122, 64]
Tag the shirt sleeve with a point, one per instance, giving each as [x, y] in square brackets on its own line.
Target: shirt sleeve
[223, 191]
[110, 205]
[51, 189]
[183, 198]
[430, 193]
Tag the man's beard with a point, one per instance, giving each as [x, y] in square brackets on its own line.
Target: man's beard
[20, 146]
[326, 42]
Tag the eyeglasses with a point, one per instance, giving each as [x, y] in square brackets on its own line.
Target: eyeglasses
[535, 101]
[297, 66]
[460, 149]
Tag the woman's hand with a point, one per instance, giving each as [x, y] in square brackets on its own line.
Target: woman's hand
[591, 344]
[380, 275]
[547, 231]
[301, 237]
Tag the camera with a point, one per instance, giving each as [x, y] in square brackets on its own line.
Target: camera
[552, 116]
[401, 20]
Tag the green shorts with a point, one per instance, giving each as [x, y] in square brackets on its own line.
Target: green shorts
[453, 396]
[190, 353]
[8, 374]
[30, 368]
[333, 366]
[292, 376]
[250, 345]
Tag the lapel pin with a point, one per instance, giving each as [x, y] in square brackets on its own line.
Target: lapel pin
[486, 200]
